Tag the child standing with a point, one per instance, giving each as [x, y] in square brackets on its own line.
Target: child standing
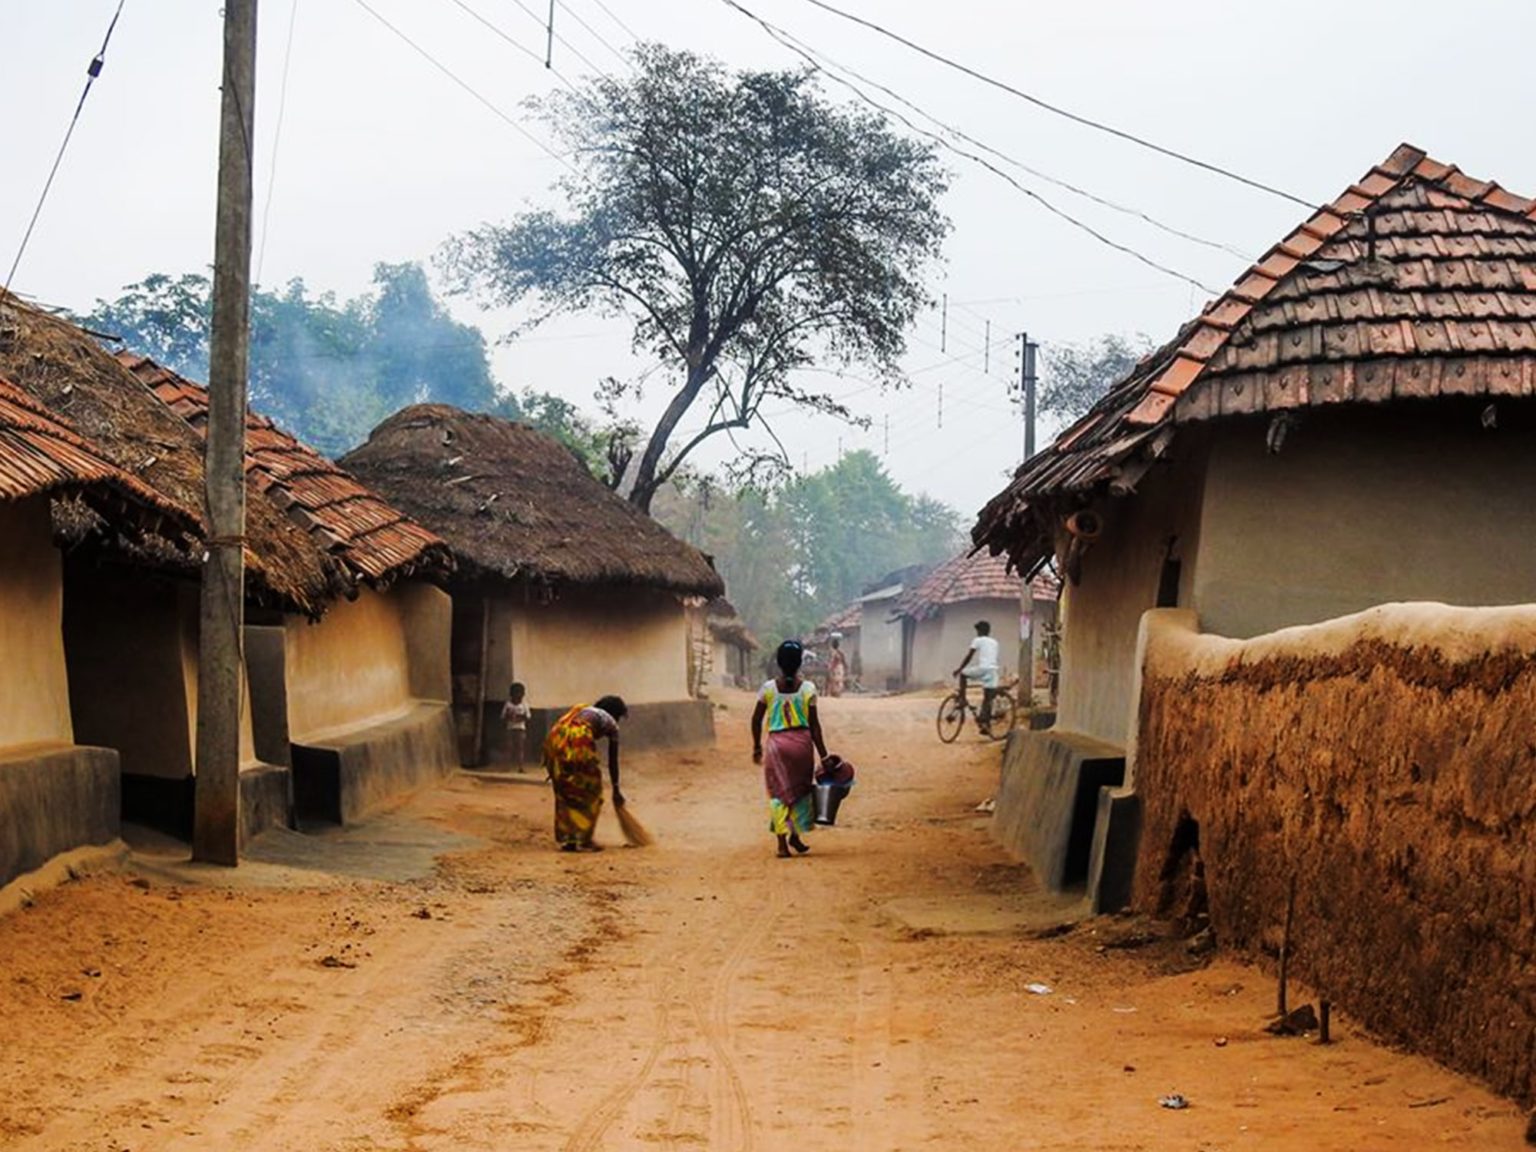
[516, 712]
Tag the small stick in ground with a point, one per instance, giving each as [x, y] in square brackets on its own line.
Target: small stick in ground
[1285, 946]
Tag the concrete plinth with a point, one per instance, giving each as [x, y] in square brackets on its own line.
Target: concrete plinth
[1048, 801]
[1116, 840]
[670, 724]
[343, 776]
[54, 800]
[166, 803]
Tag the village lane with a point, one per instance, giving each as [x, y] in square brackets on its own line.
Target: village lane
[442, 979]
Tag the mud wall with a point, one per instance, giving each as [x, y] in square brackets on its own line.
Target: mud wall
[632, 642]
[349, 668]
[1119, 581]
[942, 640]
[34, 691]
[1384, 763]
[1360, 508]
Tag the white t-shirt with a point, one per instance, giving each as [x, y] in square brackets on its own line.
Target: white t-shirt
[984, 668]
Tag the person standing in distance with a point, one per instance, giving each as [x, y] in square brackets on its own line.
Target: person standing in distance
[980, 665]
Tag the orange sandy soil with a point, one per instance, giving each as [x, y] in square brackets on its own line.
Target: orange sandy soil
[699, 994]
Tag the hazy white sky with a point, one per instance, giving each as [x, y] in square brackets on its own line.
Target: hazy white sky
[381, 157]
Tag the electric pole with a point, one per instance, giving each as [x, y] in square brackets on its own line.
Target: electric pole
[221, 666]
[1026, 354]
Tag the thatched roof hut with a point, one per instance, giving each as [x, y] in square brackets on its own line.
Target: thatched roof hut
[375, 542]
[515, 504]
[61, 366]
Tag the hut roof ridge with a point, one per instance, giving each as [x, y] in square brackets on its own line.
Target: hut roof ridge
[515, 504]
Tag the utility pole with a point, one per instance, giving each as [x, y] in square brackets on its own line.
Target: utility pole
[1027, 351]
[221, 665]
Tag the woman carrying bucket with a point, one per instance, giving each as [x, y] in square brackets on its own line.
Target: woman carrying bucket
[788, 703]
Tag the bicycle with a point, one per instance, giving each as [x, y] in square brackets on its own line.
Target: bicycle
[951, 718]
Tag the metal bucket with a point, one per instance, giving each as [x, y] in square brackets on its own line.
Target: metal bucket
[829, 797]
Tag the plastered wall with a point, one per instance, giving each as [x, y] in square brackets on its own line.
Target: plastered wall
[34, 687]
[941, 642]
[188, 608]
[352, 667]
[588, 643]
[1361, 508]
[1120, 573]
[1383, 763]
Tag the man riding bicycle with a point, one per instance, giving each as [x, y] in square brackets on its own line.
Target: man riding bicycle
[983, 651]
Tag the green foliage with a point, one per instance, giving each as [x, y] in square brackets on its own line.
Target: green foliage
[747, 226]
[326, 370]
[1076, 375]
[792, 556]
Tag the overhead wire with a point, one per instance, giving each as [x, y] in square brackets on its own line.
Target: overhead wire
[633, 35]
[92, 70]
[540, 21]
[1057, 110]
[510, 121]
[277, 137]
[973, 157]
[595, 34]
[1066, 185]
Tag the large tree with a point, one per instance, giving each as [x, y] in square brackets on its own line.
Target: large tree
[746, 225]
[1076, 375]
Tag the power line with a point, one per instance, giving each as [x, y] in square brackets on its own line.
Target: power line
[539, 20]
[1059, 111]
[452, 75]
[973, 157]
[1066, 185]
[633, 35]
[92, 70]
[595, 34]
[277, 136]
[523, 48]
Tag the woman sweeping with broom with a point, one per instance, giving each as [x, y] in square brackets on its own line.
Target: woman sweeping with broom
[570, 757]
[788, 703]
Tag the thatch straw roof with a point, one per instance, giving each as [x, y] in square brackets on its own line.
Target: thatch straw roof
[514, 504]
[376, 542]
[726, 624]
[66, 370]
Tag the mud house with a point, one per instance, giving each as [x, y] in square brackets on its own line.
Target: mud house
[731, 645]
[939, 613]
[1300, 559]
[879, 644]
[355, 701]
[56, 794]
[560, 583]
[846, 623]
[130, 617]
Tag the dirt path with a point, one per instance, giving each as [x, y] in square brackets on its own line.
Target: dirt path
[700, 994]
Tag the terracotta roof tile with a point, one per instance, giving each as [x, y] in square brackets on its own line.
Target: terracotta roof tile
[973, 576]
[40, 454]
[374, 540]
[1417, 281]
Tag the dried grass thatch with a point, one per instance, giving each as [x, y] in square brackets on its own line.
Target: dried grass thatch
[66, 370]
[514, 504]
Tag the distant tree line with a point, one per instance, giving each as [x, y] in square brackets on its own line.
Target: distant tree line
[793, 554]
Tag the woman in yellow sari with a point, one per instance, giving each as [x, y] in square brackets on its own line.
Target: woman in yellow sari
[788, 704]
[571, 758]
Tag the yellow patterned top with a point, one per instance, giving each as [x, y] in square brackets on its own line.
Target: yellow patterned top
[791, 710]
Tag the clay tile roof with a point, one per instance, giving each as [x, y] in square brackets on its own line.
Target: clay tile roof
[63, 368]
[1418, 281]
[973, 576]
[374, 540]
[514, 504]
[40, 454]
[843, 620]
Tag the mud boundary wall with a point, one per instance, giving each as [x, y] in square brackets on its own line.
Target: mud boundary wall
[1386, 764]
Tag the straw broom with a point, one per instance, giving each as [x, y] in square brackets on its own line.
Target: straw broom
[635, 834]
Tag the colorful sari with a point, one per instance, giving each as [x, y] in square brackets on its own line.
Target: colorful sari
[789, 758]
[571, 758]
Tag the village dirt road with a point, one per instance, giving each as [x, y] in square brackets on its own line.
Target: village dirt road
[699, 994]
